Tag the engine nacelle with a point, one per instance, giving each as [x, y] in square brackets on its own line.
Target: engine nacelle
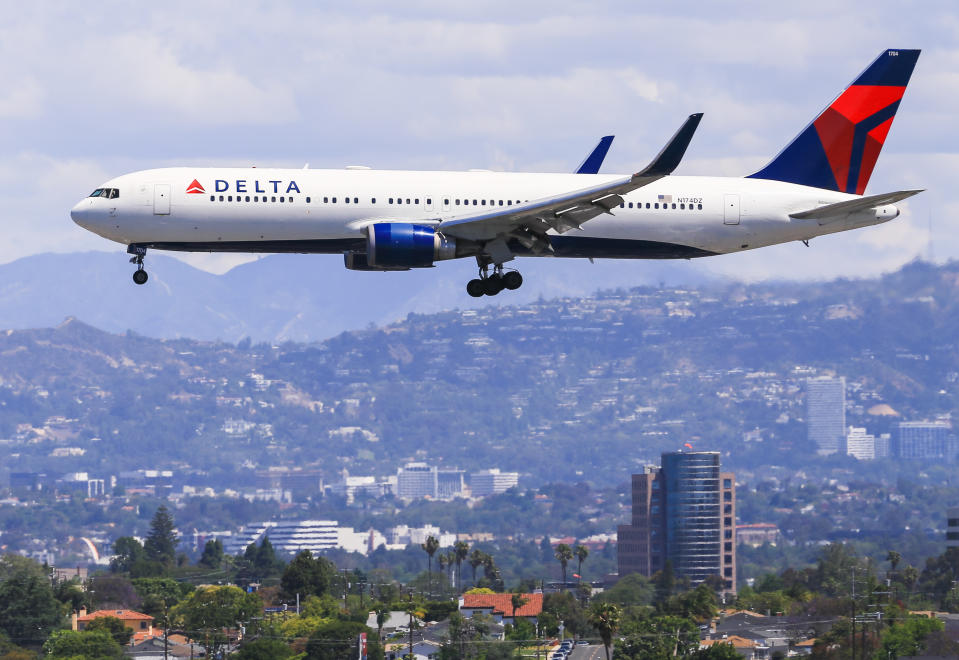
[399, 245]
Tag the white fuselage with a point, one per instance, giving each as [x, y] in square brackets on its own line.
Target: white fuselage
[287, 210]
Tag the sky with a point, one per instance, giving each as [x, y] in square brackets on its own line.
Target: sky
[92, 91]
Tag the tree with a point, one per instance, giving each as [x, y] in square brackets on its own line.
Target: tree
[161, 542]
[430, 548]
[113, 592]
[461, 551]
[605, 618]
[908, 637]
[266, 562]
[335, 640]
[72, 644]
[893, 558]
[477, 558]
[563, 555]
[264, 649]
[28, 608]
[633, 589]
[128, 553]
[721, 651]
[113, 627]
[581, 552]
[517, 600]
[215, 610]
[213, 555]
[306, 575]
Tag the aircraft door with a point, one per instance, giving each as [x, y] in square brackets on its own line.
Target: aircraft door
[161, 199]
[731, 209]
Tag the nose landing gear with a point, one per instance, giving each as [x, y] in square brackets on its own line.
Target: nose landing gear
[140, 275]
[490, 284]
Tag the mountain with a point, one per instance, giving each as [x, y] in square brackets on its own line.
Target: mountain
[279, 297]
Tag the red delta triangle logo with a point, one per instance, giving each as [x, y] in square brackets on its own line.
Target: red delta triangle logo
[195, 188]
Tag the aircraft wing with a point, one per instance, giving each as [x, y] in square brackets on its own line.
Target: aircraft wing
[596, 157]
[839, 210]
[529, 222]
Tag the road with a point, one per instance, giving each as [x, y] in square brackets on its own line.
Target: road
[591, 652]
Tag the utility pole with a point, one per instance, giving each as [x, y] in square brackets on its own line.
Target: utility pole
[853, 619]
[411, 624]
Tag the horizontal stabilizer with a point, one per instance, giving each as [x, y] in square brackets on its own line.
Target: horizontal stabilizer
[841, 209]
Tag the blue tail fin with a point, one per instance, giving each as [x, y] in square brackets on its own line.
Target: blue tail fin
[839, 149]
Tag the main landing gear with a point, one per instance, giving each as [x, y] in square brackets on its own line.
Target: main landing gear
[139, 275]
[490, 285]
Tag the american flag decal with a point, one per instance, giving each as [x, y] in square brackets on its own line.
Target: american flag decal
[665, 198]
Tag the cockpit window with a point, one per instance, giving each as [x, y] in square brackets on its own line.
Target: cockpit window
[109, 193]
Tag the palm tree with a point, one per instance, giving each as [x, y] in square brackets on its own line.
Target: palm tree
[563, 555]
[893, 558]
[477, 558]
[443, 564]
[605, 618]
[517, 600]
[461, 550]
[450, 560]
[430, 548]
[581, 552]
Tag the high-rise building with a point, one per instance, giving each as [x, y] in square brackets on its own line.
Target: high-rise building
[952, 529]
[683, 512]
[492, 482]
[826, 413]
[415, 480]
[859, 444]
[883, 445]
[925, 440]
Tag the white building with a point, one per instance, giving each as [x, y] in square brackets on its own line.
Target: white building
[826, 413]
[403, 535]
[492, 482]
[416, 480]
[291, 537]
[860, 445]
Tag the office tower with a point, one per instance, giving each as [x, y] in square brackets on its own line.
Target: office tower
[683, 512]
[859, 444]
[415, 480]
[952, 530]
[925, 440]
[826, 413]
[492, 482]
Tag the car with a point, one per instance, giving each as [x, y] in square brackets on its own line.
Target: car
[582, 642]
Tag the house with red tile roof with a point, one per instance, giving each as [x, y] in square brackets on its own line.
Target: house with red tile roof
[135, 621]
[500, 606]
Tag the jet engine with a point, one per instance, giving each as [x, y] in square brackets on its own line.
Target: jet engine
[400, 246]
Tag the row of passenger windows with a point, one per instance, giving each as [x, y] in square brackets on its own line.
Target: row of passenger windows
[655, 205]
[113, 192]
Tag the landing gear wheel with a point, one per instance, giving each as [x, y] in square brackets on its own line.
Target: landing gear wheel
[512, 280]
[476, 288]
[140, 276]
[493, 284]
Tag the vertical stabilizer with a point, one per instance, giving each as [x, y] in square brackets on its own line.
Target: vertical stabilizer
[839, 149]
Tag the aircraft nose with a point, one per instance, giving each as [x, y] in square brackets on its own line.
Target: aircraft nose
[82, 213]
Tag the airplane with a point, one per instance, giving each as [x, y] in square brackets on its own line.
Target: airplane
[387, 220]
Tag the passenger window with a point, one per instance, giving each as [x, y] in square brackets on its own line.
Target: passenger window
[372, 200]
[247, 198]
[699, 207]
[307, 200]
[229, 198]
[457, 202]
[399, 200]
[630, 205]
[212, 198]
[482, 202]
[356, 200]
[682, 207]
[282, 199]
[647, 204]
[656, 205]
[334, 200]
[407, 200]
[674, 205]
[326, 200]
[623, 205]
[346, 200]
[509, 202]
[416, 201]
[475, 202]
[221, 198]
[272, 199]
[428, 201]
